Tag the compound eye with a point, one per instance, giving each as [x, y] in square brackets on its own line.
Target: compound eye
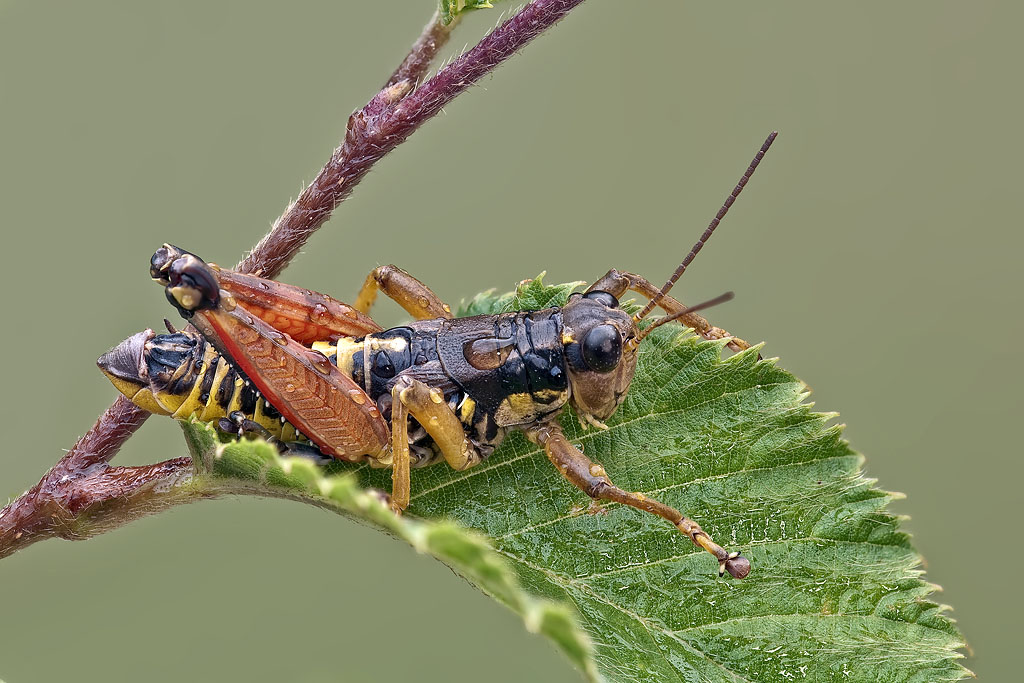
[602, 348]
[159, 264]
[603, 298]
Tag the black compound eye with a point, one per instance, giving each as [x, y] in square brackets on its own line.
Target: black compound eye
[603, 297]
[602, 348]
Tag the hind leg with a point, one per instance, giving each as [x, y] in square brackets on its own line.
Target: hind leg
[408, 292]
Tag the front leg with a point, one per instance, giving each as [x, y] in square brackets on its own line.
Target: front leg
[400, 460]
[591, 478]
[426, 404]
[618, 282]
[408, 292]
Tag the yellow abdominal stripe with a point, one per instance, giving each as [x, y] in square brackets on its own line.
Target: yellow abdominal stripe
[143, 398]
[524, 407]
[466, 411]
[183, 408]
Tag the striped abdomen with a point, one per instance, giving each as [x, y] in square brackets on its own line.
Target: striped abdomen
[188, 378]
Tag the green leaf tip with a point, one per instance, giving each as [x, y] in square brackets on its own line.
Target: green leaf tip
[835, 592]
[529, 295]
[450, 9]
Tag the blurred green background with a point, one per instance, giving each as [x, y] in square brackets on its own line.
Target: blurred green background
[876, 251]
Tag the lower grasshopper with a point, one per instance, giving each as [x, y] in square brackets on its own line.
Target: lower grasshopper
[319, 376]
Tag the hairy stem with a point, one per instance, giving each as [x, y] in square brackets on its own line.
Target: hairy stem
[331, 186]
[434, 36]
[82, 495]
[384, 123]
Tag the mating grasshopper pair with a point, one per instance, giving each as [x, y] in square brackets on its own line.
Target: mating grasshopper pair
[320, 378]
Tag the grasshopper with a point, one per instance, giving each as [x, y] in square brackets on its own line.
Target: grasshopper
[321, 378]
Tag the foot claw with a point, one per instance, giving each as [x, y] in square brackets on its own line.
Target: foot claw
[737, 566]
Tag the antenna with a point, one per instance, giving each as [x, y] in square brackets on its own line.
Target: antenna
[711, 229]
[720, 299]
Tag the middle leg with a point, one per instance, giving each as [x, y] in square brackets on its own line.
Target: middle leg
[413, 397]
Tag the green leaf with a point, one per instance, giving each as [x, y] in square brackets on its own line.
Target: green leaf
[529, 295]
[449, 9]
[835, 592]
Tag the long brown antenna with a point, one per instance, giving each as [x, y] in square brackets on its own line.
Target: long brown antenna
[711, 228]
[721, 298]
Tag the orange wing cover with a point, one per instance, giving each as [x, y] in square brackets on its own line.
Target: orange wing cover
[306, 388]
[304, 315]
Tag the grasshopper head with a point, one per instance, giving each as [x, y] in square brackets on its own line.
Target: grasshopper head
[598, 339]
[601, 341]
